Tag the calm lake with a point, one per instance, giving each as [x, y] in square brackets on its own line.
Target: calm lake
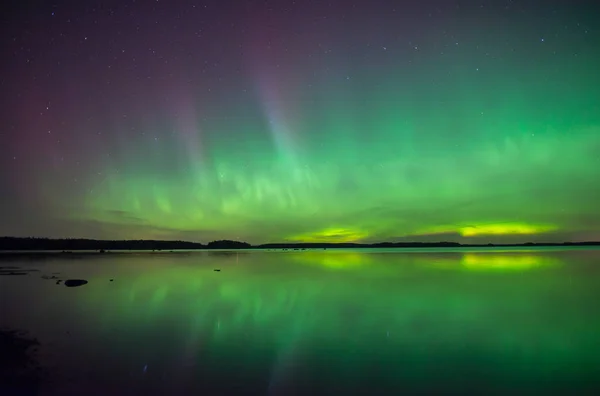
[314, 322]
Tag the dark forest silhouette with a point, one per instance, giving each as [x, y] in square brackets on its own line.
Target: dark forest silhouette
[102, 246]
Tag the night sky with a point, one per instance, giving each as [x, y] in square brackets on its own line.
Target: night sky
[282, 120]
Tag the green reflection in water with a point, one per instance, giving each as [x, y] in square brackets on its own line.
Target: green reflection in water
[332, 259]
[396, 314]
[493, 261]
[506, 262]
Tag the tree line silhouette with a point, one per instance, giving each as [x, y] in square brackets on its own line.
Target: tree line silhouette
[78, 244]
[69, 244]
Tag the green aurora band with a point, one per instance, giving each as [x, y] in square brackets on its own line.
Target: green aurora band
[479, 167]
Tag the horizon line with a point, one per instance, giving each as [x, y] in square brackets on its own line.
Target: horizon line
[283, 244]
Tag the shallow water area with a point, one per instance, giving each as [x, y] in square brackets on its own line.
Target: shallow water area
[486, 321]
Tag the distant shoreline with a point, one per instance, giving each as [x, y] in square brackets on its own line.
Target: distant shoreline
[37, 246]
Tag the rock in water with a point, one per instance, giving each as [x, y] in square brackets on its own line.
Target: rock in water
[75, 282]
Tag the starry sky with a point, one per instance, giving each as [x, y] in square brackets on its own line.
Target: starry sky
[320, 121]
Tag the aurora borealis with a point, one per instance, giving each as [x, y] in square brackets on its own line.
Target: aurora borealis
[271, 121]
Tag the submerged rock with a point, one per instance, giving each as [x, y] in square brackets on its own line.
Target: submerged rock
[75, 282]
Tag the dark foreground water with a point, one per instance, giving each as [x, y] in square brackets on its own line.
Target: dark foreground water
[313, 322]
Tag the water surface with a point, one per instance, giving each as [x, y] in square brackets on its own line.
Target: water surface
[313, 322]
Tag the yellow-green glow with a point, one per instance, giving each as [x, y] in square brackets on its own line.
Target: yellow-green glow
[505, 229]
[331, 235]
[490, 229]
